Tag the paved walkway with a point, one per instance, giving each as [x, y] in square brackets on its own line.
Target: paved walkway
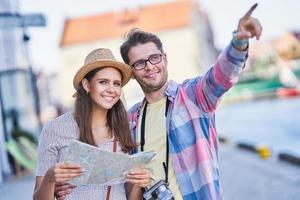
[244, 177]
[17, 189]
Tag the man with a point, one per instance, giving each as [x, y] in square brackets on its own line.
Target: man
[177, 120]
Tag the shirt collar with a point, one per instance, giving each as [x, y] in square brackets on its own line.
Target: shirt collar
[171, 90]
[170, 93]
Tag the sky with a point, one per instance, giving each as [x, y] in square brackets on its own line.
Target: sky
[276, 17]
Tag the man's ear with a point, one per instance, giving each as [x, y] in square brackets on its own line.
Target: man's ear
[86, 85]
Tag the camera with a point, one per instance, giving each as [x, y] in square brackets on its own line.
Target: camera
[158, 191]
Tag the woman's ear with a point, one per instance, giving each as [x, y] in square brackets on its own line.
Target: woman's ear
[165, 58]
[86, 85]
[132, 76]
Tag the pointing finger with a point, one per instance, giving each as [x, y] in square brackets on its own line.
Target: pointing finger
[250, 11]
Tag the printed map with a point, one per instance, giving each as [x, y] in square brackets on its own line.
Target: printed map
[103, 167]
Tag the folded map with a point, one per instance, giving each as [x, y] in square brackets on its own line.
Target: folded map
[103, 167]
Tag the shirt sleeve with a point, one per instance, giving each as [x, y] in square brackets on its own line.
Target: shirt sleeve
[208, 90]
[47, 150]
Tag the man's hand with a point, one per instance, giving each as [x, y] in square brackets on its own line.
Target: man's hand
[248, 26]
[140, 177]
[62, 190]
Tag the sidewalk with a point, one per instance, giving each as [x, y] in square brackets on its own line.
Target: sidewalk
[244, 176]
[17, 189]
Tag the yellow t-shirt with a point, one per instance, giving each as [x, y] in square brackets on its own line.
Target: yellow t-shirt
[155, 139]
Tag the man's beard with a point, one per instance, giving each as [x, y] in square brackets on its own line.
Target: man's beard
[149, 88]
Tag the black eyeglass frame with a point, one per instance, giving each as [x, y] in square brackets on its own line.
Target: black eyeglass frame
[146, 60]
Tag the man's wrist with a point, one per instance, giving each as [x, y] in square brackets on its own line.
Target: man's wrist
[240, 45]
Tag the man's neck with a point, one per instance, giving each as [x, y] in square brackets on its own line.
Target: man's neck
[155, 96]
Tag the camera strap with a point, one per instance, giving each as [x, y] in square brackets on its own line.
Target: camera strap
[165, 164]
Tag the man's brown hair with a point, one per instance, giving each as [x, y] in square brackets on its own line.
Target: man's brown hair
[136, 36]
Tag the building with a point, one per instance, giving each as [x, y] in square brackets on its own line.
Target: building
[182, 25]
[19, 105]
[288, 46]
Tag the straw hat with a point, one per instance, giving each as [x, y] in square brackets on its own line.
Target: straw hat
[99, 58]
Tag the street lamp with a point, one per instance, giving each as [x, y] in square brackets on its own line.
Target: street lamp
[15, 20]
[11, 21]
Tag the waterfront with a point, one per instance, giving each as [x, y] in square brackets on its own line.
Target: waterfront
[271, 122]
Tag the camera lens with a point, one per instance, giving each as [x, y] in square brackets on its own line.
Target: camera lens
[163, 193]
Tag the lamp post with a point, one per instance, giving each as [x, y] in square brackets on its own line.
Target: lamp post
[15, 21]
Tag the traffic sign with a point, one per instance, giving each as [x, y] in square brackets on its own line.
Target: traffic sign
[9, 20]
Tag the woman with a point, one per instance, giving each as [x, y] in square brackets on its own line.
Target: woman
[99, 119]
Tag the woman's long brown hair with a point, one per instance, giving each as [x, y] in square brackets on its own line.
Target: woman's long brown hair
[117, 118]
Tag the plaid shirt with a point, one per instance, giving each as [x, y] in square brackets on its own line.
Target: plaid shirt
[191, 125]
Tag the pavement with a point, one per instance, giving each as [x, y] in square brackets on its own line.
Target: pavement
[244, 176]
[19, 188]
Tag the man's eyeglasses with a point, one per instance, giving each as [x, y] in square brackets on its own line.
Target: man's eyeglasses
[153, 59]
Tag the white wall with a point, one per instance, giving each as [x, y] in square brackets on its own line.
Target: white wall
[181, 46]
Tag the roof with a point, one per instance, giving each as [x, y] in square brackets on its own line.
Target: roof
[153, 18]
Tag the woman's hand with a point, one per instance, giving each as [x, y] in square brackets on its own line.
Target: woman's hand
[140, 177]
[56, 175]
[63, 172]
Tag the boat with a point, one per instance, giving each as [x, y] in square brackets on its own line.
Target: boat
[287, 92]
[259, 88]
